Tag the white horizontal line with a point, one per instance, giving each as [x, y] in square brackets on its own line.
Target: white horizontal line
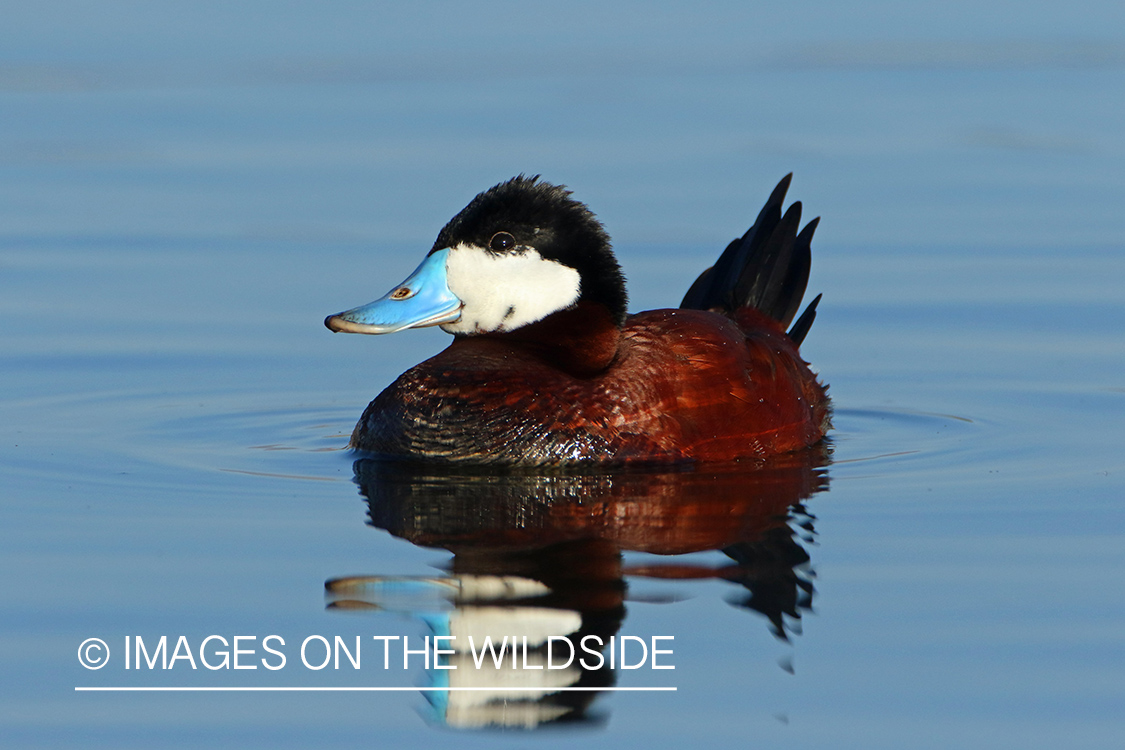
[543, 690]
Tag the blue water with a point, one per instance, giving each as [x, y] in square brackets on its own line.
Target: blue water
[187, 190]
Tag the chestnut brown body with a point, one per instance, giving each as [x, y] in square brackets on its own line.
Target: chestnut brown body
[669, 386]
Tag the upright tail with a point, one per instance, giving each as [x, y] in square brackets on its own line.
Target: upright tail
[767, 269]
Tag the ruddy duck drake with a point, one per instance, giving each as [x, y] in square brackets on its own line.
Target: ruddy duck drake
[547, 368]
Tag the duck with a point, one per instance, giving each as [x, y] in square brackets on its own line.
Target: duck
[547, 367]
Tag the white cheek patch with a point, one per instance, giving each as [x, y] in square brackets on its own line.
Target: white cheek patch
[503, 292]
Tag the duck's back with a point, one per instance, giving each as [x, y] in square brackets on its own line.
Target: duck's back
[684, 385]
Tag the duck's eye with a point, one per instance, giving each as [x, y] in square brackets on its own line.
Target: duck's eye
[501, 241]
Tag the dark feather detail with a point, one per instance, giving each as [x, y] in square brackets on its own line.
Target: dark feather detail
[766, 269]
[801, 328]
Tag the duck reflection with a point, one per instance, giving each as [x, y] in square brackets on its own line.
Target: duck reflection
[539, 576]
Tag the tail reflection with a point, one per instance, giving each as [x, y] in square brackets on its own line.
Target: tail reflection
[537, 563]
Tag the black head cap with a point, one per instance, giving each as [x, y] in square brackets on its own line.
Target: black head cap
[544, 217]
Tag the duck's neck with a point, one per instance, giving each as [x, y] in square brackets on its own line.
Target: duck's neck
[581, 340]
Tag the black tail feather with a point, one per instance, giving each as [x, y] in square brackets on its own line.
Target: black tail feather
[801, 328]
[767, 268]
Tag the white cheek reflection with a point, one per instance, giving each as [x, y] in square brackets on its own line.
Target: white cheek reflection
[504, 292]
